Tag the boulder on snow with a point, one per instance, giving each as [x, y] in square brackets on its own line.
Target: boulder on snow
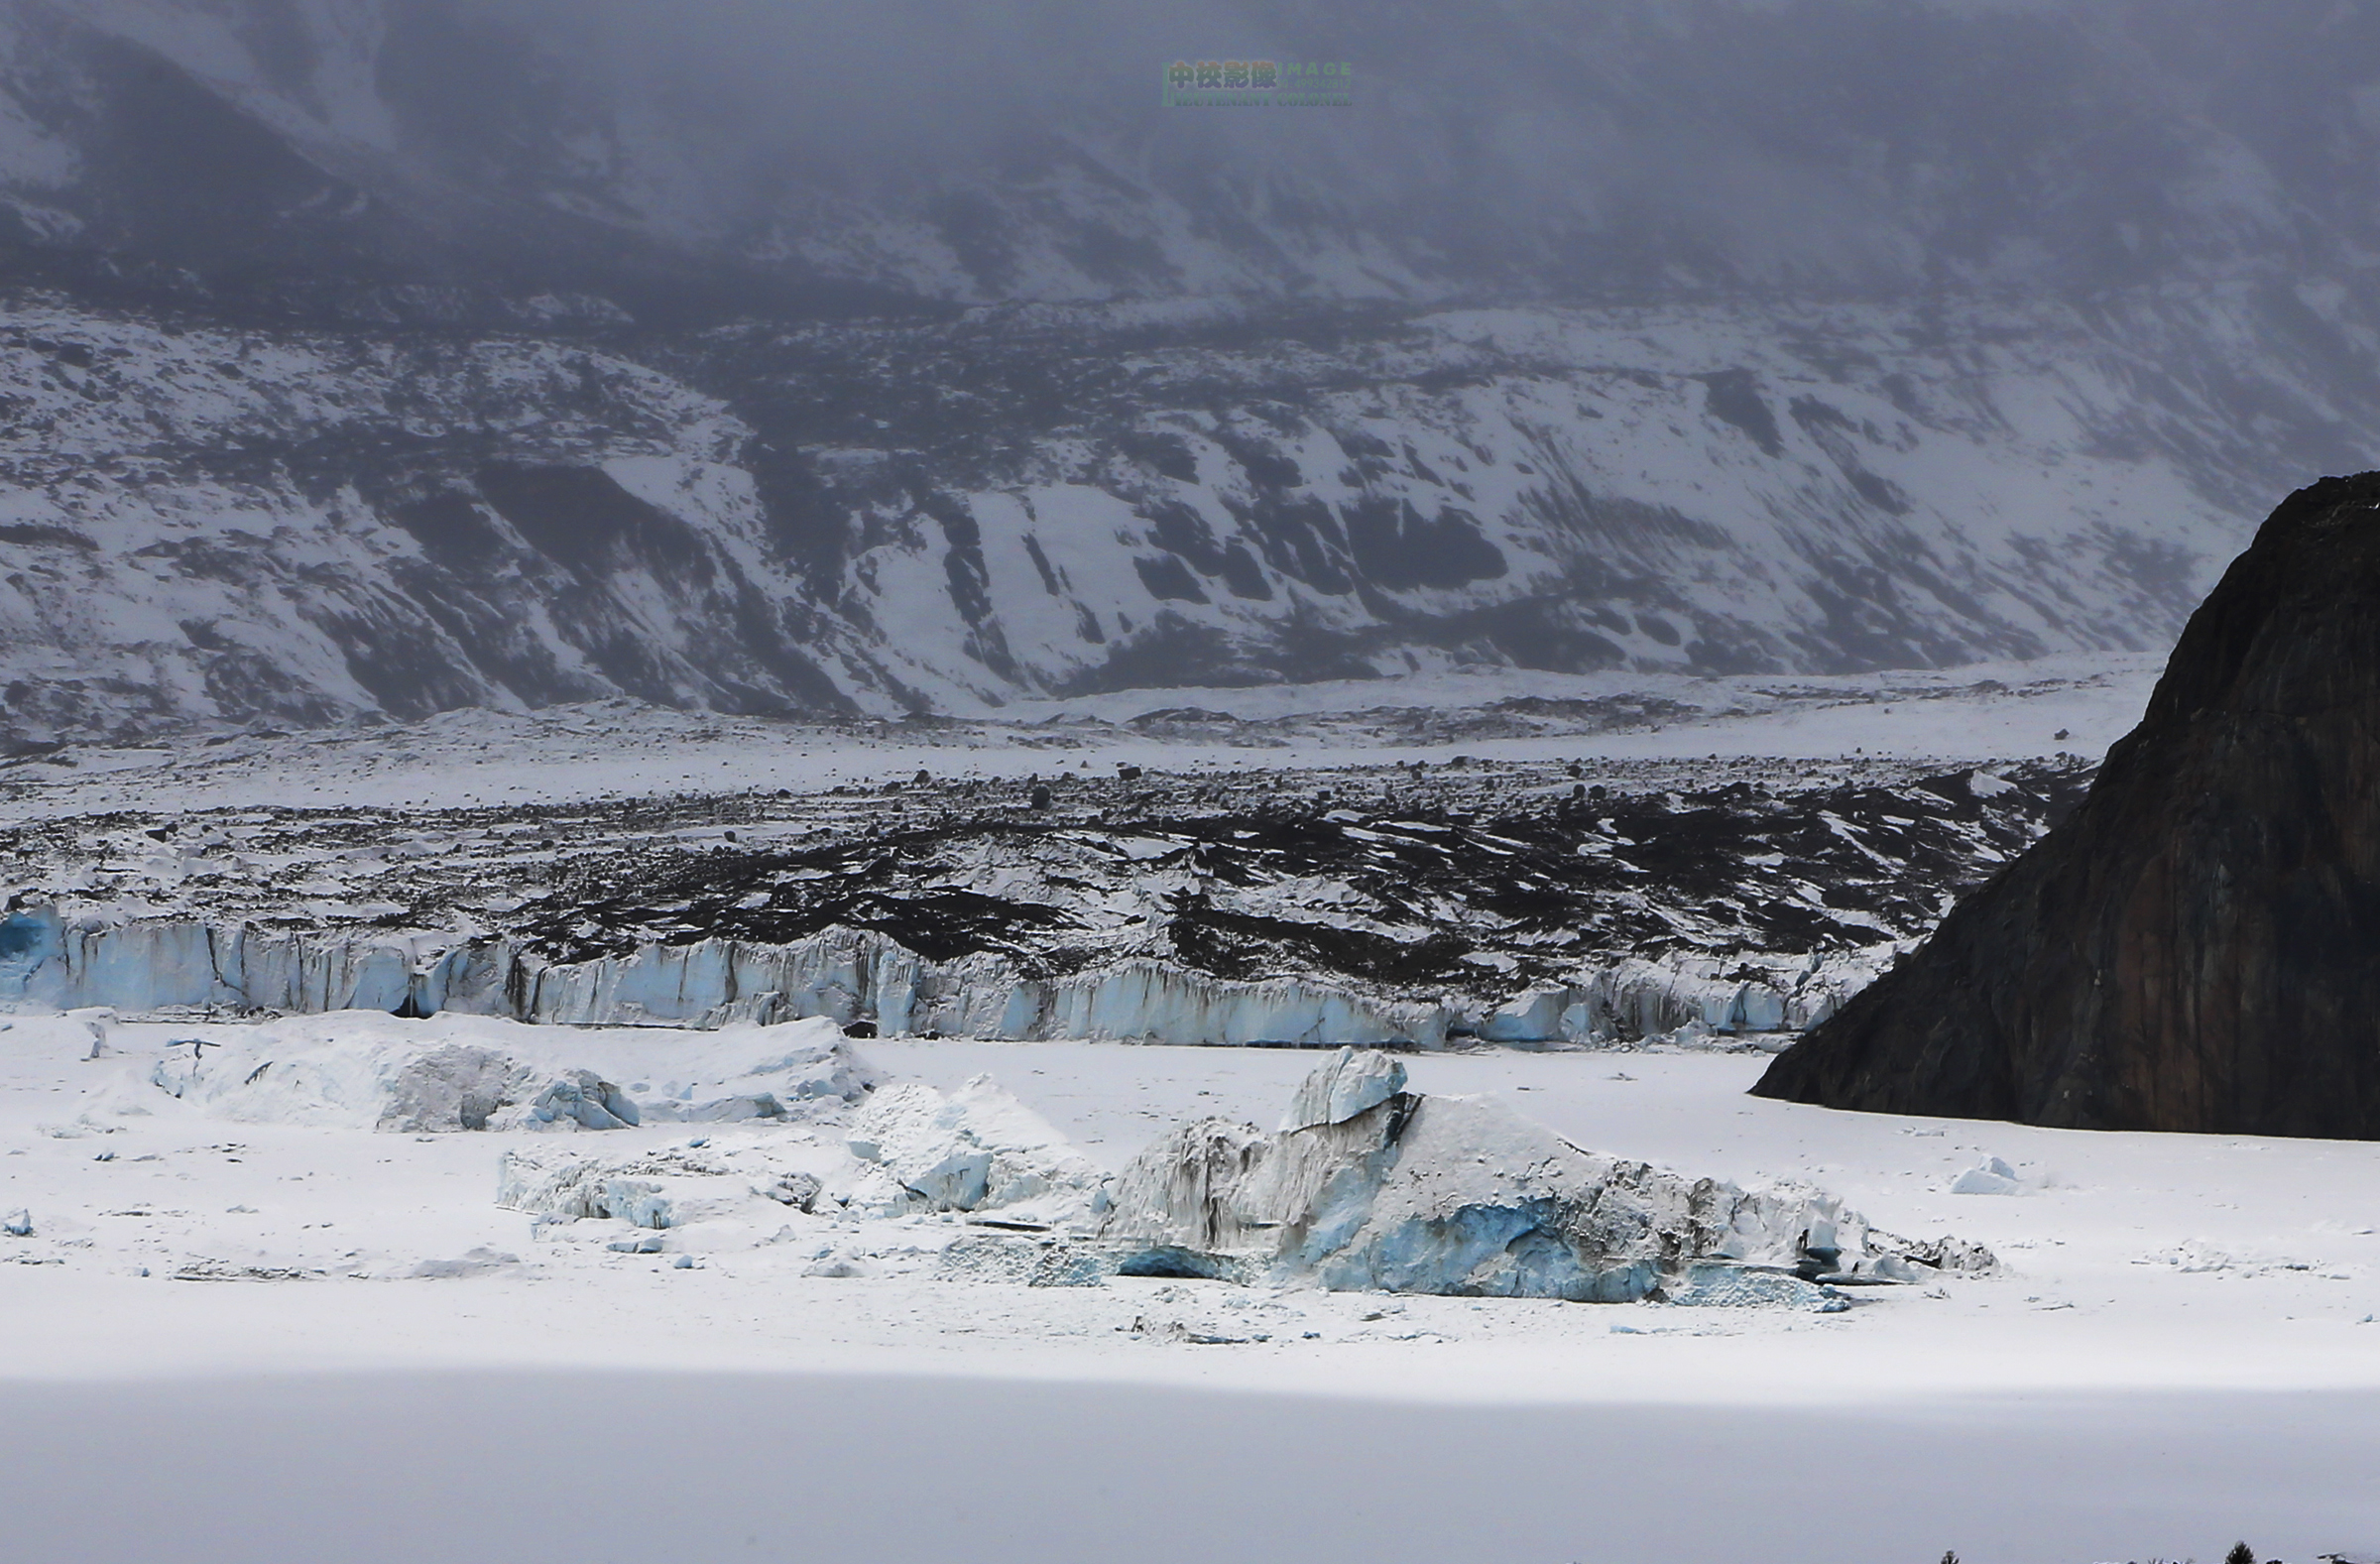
[2192, 949]
[1458, 1195]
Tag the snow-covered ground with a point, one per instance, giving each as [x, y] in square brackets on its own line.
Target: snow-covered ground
[256, 1312]
[621, 749]
[2180, 1346]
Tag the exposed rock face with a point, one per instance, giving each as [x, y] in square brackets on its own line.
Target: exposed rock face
[2197, 946]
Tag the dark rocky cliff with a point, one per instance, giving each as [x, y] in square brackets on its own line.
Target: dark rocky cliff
[2197, 946]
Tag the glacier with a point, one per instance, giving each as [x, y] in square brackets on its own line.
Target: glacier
[1508, 901]
[852, 976]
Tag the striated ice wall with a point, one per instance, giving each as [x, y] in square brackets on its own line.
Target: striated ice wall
[1736, 995]
[852, 976]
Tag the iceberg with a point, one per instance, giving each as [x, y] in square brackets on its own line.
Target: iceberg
[579, 1098]
[909, 1149]
[1460, 1196]
[458, 1074]
[976, 1148]
[452, 1088]
[658, 1189]
[1366, 1187]
[1991, 1176]
[1349, 1084]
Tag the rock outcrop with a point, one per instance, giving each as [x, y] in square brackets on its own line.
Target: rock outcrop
[2197, 946]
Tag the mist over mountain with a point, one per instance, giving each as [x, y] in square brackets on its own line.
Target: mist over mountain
[402, 354]
[1516, 148]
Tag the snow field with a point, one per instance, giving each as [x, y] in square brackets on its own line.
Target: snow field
[2126, 1256]
[601, 1465]
[2179, 1347]
[618, 750]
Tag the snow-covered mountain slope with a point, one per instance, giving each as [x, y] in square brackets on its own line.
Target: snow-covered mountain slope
[1689, 488]
[399, 355]
[295, 527]
[211, 523]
